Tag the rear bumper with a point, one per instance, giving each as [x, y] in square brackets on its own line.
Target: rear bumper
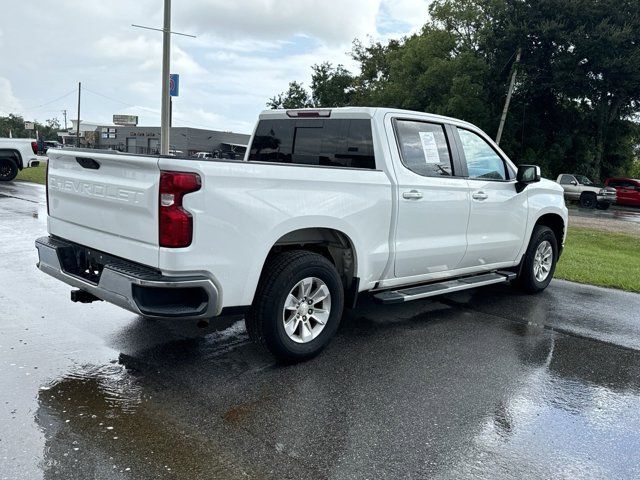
[137, 288]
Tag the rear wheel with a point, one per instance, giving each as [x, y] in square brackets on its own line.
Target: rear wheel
[588, 200]
[539, 262]
[297, 307]
[8, 170]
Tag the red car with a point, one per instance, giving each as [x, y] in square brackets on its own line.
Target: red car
[628, 190]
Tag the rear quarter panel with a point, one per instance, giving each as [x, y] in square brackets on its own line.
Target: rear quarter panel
[243, 208]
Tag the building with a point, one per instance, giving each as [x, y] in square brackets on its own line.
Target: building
[146, 140]
[88, 133]
[182, 139]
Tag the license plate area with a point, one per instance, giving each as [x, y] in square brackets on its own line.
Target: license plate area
[83, 262]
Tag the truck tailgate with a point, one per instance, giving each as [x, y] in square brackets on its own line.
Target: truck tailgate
[107, 201]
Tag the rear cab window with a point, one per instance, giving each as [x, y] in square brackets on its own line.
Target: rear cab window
[319, 142]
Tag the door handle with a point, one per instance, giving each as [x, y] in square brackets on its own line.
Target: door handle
[480, 196]
[412, 195]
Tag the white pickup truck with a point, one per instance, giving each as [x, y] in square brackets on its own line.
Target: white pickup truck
[15, 155]
[325, 205]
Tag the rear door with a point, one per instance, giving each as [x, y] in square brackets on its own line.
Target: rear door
[433, 203]
[106, 201]
[498, 217]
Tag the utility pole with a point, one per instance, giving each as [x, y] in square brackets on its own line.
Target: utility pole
[165, 114]
[165, 110]
[64, 113]
[78, 125]
[512, 83]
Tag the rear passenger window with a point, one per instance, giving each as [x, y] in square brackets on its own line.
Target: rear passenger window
[325, 142]
[424, 149]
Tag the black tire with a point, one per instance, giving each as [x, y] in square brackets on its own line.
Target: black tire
[588, 200]
[8, 170]
[603, 206]
[527, 278]
[265, 322]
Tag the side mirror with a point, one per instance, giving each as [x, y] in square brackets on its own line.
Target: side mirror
[527, 174]
[574, 183]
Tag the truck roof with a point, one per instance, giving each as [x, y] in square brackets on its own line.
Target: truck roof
[358, 112]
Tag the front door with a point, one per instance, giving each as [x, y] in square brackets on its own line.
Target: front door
[628, 192]
[570, 186]
[498, 217]
[433, 203]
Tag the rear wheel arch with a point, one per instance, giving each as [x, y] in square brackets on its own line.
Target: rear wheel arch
[333, 244]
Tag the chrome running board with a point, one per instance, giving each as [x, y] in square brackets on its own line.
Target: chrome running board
[439, 288]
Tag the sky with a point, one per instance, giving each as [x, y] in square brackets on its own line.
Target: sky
[245, 52]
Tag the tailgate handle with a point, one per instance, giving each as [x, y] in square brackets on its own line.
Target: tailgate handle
[86, 162]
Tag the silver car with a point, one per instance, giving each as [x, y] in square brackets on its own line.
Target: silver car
[579, 188]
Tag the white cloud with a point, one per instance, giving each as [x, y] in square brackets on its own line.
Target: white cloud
[332, 21]
[9, 103]
[246, 52]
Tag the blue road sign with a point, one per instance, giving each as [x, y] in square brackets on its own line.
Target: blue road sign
[174, 84]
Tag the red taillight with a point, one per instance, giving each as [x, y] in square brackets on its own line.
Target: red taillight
[34, 147]
[175, 223]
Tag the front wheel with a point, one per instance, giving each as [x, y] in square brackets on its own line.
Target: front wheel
[8, 170]
[297, 307]
[588, 200]
[539, 262]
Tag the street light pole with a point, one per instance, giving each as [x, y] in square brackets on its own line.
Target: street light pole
[165, 110]
[166, 68]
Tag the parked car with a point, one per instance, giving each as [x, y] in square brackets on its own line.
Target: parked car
[328, 204]
[51, 144]
[16, 154]
[579, 188]
[628, 190]
[202, 155]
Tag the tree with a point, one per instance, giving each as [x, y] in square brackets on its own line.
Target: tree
[331, 87]
[15, 124]
[576, 93]
[295, 97]
[53, 123]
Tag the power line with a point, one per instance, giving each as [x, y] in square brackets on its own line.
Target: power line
[130, 105]
[51, 101]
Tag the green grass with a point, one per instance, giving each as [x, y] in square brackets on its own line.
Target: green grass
[35, 174]
[601, 258]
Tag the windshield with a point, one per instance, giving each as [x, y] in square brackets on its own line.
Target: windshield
[583, 180]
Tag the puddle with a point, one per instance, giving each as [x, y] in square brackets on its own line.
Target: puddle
[98, 422]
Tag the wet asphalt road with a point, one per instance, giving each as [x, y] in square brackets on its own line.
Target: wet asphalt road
[483, 384]
[615, 212]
